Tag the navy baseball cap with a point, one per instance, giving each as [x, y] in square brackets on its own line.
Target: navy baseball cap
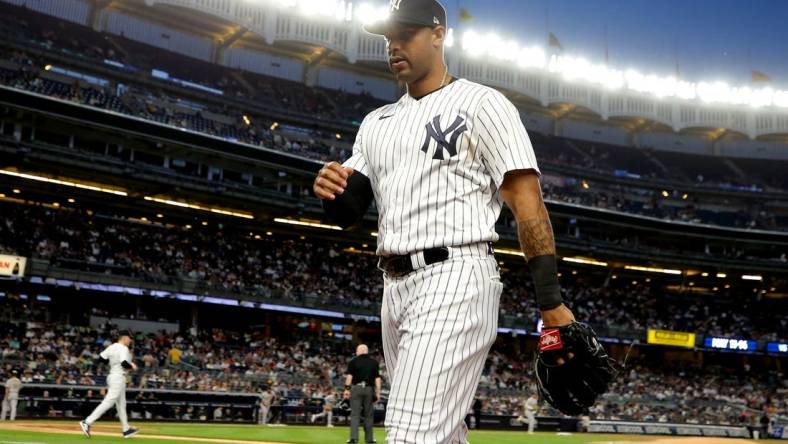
[429, 13]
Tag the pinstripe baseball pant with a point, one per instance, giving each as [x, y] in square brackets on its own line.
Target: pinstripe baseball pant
[438, 323]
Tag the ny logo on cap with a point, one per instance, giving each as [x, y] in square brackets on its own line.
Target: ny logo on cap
[395, 4]
[434, 132]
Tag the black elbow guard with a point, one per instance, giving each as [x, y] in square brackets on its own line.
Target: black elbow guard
[102, 360]
[348, 208]
[125, 364]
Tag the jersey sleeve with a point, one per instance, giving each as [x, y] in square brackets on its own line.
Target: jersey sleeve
[107, 353]
[357, 161]
[503, 142]
[350, 367]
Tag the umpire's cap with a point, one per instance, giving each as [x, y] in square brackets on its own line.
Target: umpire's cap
[428, 13]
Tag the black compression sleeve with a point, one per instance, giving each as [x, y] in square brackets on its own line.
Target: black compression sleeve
[125, 364]
[544, 272]
[350, 206]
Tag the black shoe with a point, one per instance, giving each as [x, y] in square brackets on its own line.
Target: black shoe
[85, 428]
[371, 442]
[130, 432]
[351, 441]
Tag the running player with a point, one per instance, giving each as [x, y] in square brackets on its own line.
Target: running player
[120, 360]
[329, 400]
[530, 406]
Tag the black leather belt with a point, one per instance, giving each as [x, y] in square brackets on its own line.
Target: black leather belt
[401, 265]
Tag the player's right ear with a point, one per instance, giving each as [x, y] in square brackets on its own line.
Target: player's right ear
[438, 36]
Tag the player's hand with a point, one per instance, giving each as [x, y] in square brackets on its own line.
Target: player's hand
[558, 317]
[331, 180]
[346, 394]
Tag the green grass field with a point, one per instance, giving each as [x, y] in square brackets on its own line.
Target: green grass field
[62, 432]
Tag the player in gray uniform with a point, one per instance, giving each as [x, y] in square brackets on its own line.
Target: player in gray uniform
[329, 401]
[11, 397]
[266, 399]
[119, 358]
[530, 406]
[439, 164]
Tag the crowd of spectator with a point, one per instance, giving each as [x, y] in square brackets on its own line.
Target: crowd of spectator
[244, 264]
[303, 365]
[244, 120]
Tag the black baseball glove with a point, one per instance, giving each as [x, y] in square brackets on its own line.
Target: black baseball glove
[572, 387]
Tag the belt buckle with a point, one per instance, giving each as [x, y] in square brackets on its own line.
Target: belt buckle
[387, 265]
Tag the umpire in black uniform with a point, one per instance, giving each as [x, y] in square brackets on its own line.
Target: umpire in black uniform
[362, 386]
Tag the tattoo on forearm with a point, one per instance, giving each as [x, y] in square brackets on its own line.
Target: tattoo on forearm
[536, 237]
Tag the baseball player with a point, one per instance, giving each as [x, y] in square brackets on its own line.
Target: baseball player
[266, 399]
[328, 409]
[530, 406]
[119, 358]
[439, 164]
[12, 387]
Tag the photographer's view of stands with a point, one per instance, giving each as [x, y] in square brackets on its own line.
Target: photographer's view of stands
[156, 168]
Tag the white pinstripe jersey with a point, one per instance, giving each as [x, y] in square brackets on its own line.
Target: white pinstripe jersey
[436, 165]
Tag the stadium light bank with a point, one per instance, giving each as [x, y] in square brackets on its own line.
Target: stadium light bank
[569, 67]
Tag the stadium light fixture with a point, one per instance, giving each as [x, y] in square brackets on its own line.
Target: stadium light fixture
[509, 251]
[367, 13]
[652, 269]
[335, 9]
[306, 223]
[752, 277]
[573, 68]
[585, 261]
[722, 275]
[449, 42]
[193, 206]
[16, 190]
[64, 182]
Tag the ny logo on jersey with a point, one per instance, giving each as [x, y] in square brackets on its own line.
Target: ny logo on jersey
[434, 132]
[395, 5]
